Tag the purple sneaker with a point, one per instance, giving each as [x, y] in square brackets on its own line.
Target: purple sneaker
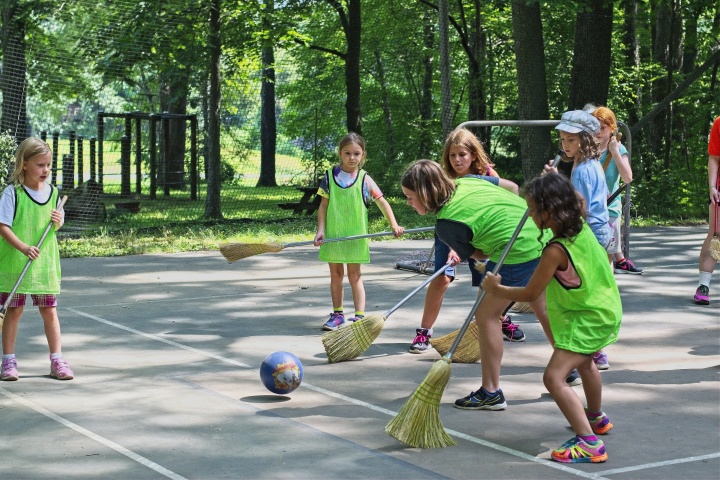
[601, 361]
[577, 450]
[336, 321]
[702, 295]
[60, 369]
[9, 370]
[421, 342]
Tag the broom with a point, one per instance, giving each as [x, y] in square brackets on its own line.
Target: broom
[237, 251]
[3, 309]
[418, 422]
[348, 343]
[469, 351]
[715, 242]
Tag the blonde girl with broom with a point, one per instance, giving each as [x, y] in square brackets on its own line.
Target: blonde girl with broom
[26, 207]
[477, 219]
[583, 306]
[463, 155]
[347, 191]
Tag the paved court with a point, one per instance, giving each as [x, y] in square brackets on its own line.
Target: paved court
[166, 351]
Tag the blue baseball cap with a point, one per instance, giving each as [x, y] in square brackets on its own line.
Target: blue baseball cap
[576, 121]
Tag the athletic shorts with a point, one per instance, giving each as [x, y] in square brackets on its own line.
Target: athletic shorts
[40, 300]
[517, 275]
[616, 240]
[441, 255]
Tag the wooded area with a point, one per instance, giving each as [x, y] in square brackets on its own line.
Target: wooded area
[289, 78]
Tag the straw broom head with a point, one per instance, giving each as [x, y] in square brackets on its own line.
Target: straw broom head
[350, 342]
[467, 351]
[238, 251]
[418, 422]
[521, 307]
[715, 247]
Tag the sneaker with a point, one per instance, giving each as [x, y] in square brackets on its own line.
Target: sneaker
[627, 266]
[9, 370]
[577, 450]
[482, 400]
[336, 321]
[601, 361]
[60, 369]
[600, 425]
[574, 378]
[354, 319]
[702, 295]
[511, 332]
[421, 342]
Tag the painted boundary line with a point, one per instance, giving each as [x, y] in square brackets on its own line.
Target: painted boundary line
[541, 461]
[108, 443]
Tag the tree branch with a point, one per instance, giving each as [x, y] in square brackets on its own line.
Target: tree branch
[331, 51]
[675, 94]
[341, 12]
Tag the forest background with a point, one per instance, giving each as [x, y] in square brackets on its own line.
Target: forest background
[179, 124]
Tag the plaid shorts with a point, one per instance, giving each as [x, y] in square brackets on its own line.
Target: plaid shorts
[40, 300]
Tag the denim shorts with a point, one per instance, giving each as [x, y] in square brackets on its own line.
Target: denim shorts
[441, 255]
[18, 300]
[604, 235]
[517, 275]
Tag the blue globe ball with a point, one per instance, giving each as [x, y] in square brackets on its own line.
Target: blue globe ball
[281, 372]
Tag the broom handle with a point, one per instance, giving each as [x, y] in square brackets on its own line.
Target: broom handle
[27, 264]
[616, 193]
[501, 260]
[356, 237]
[419, 287]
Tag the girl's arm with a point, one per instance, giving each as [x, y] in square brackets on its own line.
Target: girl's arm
[9, 236]
[58, 218]
[551, 260]
[322, 217]
[389, 216]
[509, 185]
[621, 161]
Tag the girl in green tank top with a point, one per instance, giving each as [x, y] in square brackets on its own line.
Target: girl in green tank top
[26, 208]
[583, 305]
[345, 192]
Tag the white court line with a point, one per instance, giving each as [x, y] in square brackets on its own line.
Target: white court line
[108, 443]
[469, 438]
[675, 265]
[160, 339]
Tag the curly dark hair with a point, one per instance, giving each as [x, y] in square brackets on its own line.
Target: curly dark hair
[553, 193]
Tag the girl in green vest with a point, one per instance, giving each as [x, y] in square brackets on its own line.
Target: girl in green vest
[477, 219]
[25, 207]
[347, 191]
[583, 306]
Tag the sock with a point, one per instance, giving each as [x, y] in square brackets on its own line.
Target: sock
[337, 309]
[588, 438]
[592, 415]
[429, 330]
[8, 356]
[55, 356]
[704, 279]
[359, 314]
[618, 262]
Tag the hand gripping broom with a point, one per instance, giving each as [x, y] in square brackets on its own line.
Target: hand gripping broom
[4, 308]
[349, 342]
[237, 251]
[418, 422]
[469, 351]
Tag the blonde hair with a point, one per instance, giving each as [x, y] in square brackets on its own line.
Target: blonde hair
[430, 183]
[465, 138]
[606, 116]
[353, 137]
[28, 148]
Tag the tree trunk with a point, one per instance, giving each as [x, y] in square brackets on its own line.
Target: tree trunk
[632, 56]
[660, 87]
[352, 67]
[13, 75]
[590, 77]
[445, 91]
[387, 113]
[425, 109]
[535, 142]
[212, 200]
[477, 107]
[268, 124]
[173, 99]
